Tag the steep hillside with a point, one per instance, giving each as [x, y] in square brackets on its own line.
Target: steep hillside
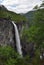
[30, 17]
[4, 13]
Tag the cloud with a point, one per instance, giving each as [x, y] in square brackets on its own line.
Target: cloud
[1, 1]
[20, 6]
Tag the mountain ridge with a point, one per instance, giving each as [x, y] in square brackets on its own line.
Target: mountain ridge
[5, 13]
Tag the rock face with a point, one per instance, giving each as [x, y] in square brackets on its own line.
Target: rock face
[7, 36]
[6, 33]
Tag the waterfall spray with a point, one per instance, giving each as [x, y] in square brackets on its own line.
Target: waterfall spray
[18, 45]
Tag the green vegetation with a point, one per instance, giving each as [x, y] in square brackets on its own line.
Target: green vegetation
[11, 15]
[8, 56]
[34, 34]
[30, 17]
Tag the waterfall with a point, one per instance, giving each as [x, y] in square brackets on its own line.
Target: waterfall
[18, 45]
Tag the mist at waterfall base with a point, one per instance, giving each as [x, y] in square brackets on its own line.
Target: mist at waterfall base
[18, 45]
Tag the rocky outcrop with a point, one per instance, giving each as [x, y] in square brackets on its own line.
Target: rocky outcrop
[6, 33]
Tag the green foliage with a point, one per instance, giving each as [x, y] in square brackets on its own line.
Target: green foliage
[36, 7]
[35, 34]
[8, 56]
[11, 15]
[42, 5]
[39, 23]
[30, 17]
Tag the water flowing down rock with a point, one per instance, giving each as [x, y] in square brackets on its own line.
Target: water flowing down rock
[18, 45]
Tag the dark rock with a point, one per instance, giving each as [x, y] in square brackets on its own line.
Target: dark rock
[28, 49]
[7, 36]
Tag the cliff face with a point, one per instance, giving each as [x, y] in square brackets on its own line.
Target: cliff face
[6, 33]
[7, 36]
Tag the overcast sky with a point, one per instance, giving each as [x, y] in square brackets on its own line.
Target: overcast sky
[20, 6]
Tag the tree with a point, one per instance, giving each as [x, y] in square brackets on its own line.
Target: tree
[42, 5]
[35, 34]
[8, 56]
[36, 7]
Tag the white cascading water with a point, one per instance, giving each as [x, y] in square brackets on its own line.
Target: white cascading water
[18, 45]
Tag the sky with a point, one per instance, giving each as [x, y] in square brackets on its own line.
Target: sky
[20, 6]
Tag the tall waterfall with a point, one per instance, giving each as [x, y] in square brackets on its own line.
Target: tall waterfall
[18, 45]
